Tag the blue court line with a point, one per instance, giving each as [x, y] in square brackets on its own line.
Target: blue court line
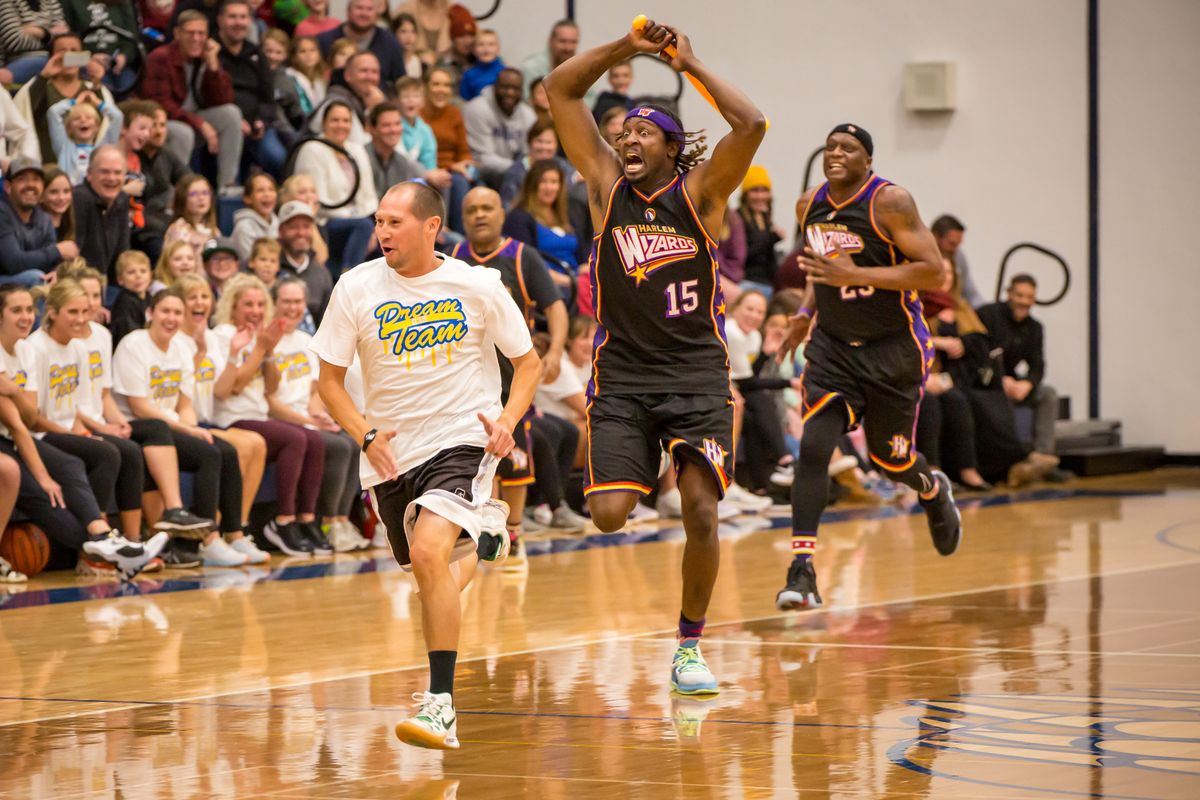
[147, 585]
[1164, 536]
[460, 711]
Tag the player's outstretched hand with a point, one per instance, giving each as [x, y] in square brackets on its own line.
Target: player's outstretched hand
[650, 39]
[835, 270]
[500, 438]
[379, 453]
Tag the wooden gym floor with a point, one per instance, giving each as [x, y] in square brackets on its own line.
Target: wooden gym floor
[1057, 655]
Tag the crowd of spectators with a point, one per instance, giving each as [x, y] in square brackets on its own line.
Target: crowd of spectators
[183, 182]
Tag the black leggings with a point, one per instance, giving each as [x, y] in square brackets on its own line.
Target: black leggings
[101, 460]
[554, 442]
[946, 431]
[216, 478]
[762, 431]
[339, 482]
[63, 525]
[810, 490]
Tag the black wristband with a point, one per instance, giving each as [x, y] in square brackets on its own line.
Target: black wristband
[369, 437]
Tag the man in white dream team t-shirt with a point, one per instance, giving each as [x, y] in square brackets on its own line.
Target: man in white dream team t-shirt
[425, 328]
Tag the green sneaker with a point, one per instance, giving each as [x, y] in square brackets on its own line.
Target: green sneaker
[434, 725]
[689, 672]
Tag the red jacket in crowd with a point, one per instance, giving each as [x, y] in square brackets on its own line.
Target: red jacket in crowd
[166, 83]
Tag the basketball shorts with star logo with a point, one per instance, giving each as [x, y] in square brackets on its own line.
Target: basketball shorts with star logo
[880, 384]
[627, 435]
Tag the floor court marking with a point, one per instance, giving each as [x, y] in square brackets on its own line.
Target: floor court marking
[126, 704]
[963, 650]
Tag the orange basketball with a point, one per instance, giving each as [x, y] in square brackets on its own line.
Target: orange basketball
[26, 547]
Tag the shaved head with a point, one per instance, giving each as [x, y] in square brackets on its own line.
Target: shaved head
[425, 201]
[483, 219]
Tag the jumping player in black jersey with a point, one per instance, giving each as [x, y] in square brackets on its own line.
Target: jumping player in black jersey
[661, 367]
[867, 255]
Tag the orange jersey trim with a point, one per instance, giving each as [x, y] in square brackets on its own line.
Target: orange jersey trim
[654, 196]
[875, 225]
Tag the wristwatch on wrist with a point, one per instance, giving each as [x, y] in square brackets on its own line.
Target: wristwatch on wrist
[368, 438]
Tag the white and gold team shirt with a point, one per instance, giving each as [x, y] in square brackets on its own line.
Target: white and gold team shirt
[204, 374]
[141, 369]
[427, 346]
[99, 347]
[298, 367]
[251, 402]
[63, 378]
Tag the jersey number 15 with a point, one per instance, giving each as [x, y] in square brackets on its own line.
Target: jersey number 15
[682, 298]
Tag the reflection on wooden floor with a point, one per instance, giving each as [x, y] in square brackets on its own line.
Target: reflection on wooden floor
[1057, 655]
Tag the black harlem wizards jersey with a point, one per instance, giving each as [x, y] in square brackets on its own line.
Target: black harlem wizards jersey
[857, 313]
[658, 298]
[524, 275]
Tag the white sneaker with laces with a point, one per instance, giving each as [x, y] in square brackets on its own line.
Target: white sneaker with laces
[221, 554]
[494, 543]
[784, 475]
[642, 513]
[541, 514]
[727, 510]
[565, 519]
[246, 546]
[353, 534]
[342, 540]
[434, 725]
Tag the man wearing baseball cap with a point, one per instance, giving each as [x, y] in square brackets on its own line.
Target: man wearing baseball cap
[297, 257]
[29, 251]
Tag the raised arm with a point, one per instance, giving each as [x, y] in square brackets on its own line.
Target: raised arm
[566, 86]
[714, 180]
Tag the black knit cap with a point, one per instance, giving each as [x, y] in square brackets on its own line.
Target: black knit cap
[857, 132]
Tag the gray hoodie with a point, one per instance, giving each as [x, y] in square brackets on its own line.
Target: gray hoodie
[496, 140]
[248, 226]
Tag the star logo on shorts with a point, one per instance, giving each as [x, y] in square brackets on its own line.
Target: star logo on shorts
[900, 445]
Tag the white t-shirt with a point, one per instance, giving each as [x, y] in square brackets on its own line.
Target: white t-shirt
[251, 403]
[428, 352]
[743, 350]
[141, 369]
[298, 367]
[204, 376]
[571, 380]
[99, 348]
[20, 365]
[63, 378]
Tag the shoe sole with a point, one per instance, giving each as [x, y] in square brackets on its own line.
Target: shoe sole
[695, 691]
[795, 601]
[166, 527]
[417, 736]
[277, 540]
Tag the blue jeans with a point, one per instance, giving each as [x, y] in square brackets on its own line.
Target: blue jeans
[268, 153]
[348, 240]
[25, 68]
[30, 277]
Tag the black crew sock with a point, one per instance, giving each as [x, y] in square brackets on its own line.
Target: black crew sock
[441, 671]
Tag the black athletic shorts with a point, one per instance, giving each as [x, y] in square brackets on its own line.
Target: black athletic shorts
[516, 469]
[627, 434]
[880, 381]
[454, 484]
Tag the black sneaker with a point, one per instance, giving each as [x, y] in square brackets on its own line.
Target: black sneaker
[181, 553]
[801, 590]
[311, 533]
[180, 519]
[287, 538]
[945, 523]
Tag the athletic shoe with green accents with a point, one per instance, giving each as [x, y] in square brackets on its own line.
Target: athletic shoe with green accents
[434, 725]
[689, 672]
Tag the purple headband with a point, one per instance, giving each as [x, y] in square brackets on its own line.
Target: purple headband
[668, 125]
